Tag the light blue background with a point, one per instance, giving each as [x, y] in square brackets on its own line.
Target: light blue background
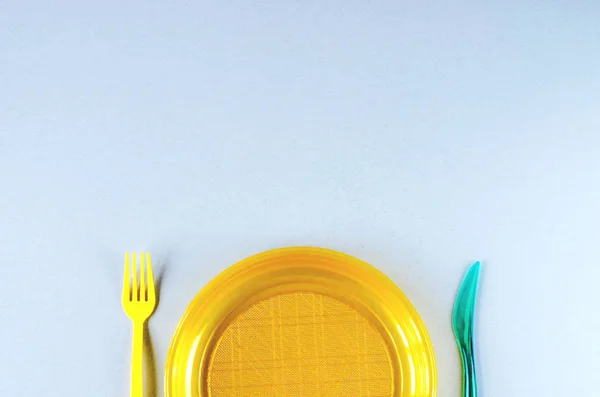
[417, 136]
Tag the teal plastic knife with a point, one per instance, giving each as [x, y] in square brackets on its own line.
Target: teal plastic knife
[462, 324]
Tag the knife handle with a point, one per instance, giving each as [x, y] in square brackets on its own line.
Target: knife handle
[469, 376]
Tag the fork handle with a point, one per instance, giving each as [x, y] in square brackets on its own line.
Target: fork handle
[137, 357]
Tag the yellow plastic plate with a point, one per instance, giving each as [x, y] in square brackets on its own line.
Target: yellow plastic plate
[299, 322]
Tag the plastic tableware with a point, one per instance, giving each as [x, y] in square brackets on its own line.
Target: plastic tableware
[300, 321]
[139, 301]
[462, 324]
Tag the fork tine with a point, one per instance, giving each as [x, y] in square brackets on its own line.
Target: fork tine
[151, 293]
[135, 294]
[143, 295]
[127, 279]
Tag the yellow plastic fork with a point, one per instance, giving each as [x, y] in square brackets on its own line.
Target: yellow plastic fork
[139, 301]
